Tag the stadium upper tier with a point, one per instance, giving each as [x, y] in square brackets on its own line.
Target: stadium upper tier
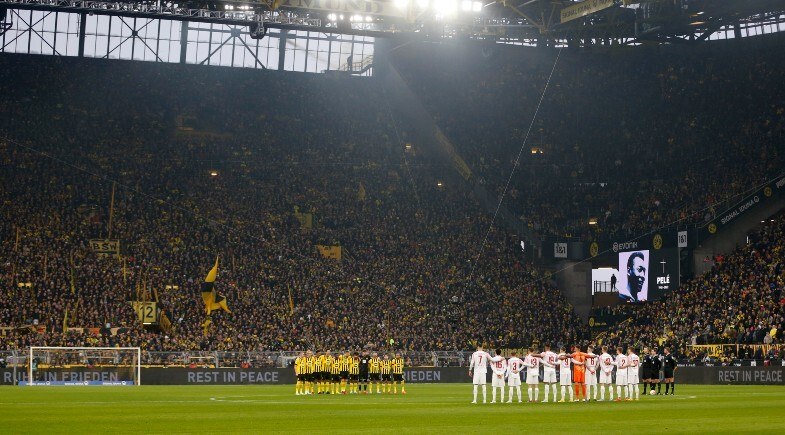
[263, 146]
[636, 138]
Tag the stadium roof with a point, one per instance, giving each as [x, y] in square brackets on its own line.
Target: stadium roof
[552, 22]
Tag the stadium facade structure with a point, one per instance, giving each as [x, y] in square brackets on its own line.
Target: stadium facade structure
[318, 36]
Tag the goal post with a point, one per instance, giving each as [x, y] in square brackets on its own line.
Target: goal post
[48, 365]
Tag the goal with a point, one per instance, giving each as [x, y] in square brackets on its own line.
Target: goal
[83, 366]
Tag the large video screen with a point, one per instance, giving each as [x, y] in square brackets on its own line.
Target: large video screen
[637, 276]
[633, 281]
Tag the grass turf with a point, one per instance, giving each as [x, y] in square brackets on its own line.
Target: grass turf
[433, 408]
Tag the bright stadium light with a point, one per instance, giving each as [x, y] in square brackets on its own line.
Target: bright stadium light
[368, 19]
[477, 6]
[445, 7]
[401, 4]
[423, 4]
[332, 17]
[466, 5]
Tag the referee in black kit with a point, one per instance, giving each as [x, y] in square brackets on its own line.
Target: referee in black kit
[669, 369]
[656, 366]
[364, 365]
[647, 372]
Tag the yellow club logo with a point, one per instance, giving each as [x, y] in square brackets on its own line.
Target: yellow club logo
[657, 241]
[712, 228]
[594, 249]
[767, 191]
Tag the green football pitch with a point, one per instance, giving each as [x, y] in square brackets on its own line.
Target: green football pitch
[432, 408]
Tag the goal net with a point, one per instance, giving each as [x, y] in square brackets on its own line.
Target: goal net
[83, 366]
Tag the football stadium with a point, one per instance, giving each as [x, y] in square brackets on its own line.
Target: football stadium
[417, 216]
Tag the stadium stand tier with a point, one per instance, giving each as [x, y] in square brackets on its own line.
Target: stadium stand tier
[660, 136]
[279, 174]
[267, 150]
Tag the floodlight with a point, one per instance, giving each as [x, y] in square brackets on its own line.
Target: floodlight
[444, 7]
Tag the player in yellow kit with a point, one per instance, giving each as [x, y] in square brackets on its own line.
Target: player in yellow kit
[397, 373]
[386, 373]
[310, 363]
[317, 372]
[374, 372]
[299, 371]
[354, 373]
[326, 372]
[346, 362]
[335, 375]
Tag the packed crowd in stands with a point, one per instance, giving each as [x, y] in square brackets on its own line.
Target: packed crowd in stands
[261, 146]
[210, 163]
[637, 138]
[740, 301]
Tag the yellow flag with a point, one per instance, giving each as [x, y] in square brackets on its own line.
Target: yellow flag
[73, 278]
[65, 321]
[330, 251]
[361, 192]
[213, 272]
[212, 300]
[291, 302]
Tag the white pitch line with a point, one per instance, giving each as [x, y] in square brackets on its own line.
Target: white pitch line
[126, 402]
[242, 399]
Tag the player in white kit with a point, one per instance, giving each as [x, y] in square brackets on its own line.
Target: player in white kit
[532, 364]
[478, 369]
[621, 375]
[514, 367]
[606, 374]
[592, 362]
[565, 375]
[634, 363]
[499, 370]
[549, 362]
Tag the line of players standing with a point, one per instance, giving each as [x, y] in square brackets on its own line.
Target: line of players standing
[581, 374]
[323, 373]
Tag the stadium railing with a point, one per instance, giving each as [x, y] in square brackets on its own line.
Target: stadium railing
[15, 361]
[722, 350]
[261, 359]
[217, 359]
[11, 358]
[180, 359]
